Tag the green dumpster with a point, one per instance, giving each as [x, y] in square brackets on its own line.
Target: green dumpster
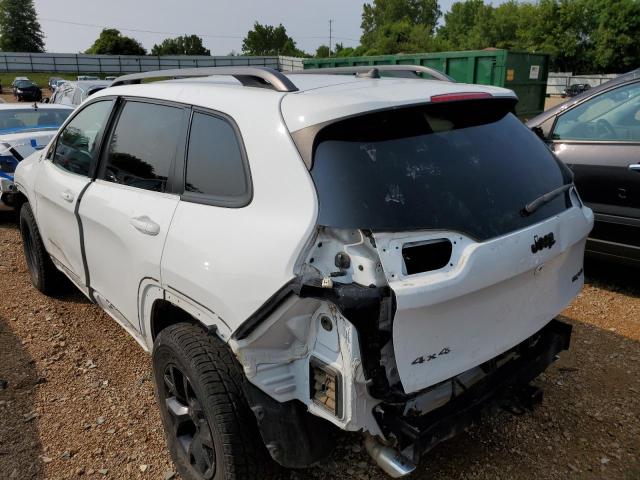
[524, 73]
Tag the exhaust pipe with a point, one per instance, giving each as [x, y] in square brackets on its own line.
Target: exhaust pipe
[392, 462]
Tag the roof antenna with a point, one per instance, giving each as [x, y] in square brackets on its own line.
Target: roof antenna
[35, 105]
[373, 73]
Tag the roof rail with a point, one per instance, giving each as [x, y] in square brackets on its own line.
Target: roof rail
[373, 71]
[263, 77]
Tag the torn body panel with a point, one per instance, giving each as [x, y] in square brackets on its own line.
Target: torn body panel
[314, 333]
[357, 332]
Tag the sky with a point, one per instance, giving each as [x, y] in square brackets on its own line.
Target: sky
[71, 26]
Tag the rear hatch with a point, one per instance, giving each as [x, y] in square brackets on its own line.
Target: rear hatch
[442, 187]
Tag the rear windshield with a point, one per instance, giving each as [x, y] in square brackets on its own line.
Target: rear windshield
[466, 166]
[15, 121]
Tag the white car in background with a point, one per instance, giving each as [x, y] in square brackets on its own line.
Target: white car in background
[24, 128]
[308, 252]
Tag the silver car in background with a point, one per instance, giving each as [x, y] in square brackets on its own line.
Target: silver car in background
[74, 93]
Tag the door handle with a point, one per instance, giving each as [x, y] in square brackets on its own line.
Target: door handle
[67, 196]
[635, 167]
[145, 225]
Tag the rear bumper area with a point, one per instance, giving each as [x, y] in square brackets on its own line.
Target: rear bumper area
[506, 386]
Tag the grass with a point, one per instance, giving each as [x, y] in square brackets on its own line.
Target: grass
[41, 79]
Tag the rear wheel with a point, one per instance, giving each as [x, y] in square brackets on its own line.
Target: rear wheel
[210, 429]
[44, 275]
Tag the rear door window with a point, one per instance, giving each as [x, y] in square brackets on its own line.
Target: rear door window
[466, 166]
[216, 170]
[143, 145]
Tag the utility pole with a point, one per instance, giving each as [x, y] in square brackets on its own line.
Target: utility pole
[330, 22]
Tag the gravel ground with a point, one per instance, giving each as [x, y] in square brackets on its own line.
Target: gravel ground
[79, 401]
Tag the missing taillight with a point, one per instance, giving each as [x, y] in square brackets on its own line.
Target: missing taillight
[426, 256]
[325, 387]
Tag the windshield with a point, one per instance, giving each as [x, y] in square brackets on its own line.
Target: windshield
[15, 121]
[467, 166]
[25, 84]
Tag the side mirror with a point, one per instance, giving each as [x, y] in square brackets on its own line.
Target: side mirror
[538, 131]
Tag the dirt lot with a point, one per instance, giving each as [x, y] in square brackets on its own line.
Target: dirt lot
[79, 401]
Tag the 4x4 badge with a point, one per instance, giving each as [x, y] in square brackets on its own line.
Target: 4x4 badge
[430, 356]
[540, 243]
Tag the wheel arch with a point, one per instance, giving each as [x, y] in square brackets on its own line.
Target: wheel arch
[160, 308]
[164, 314]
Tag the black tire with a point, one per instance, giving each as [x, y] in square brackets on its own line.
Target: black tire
[44, 274]
[219, 437]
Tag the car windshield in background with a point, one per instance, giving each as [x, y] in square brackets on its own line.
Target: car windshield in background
[467, 166]
[14, 121]
[25, 84]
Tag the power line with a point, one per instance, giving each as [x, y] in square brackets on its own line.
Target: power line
[158, 32]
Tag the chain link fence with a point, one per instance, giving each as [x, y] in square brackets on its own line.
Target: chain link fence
[558, 81]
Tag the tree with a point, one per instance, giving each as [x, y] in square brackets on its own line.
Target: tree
[323, 51]
[19, 27]
[468, 26]
[183, 45]
[112, 42]
[342, 51]
[615, 37]
[269, 40]
[410, 23]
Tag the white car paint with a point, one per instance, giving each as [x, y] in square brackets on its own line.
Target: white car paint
[435, 307]
[222, 264]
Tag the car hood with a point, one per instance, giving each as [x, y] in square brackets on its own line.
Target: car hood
[25, 143]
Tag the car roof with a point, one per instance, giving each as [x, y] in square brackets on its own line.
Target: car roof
[319, 98]
[630, 77]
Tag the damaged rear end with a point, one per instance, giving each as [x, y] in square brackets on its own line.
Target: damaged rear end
[449, 238]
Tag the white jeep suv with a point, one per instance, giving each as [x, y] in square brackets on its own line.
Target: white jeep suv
[303, 253]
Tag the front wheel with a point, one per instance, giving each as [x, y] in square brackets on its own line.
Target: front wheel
[44, 275]
[210, 429]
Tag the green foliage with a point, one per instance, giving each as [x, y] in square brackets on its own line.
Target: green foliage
[394, 26]
[323, 51]
[342, 51]
[582, 36]
[112, 42]
[19, 27]
[183, 45]
[270, 40]
[616, 38]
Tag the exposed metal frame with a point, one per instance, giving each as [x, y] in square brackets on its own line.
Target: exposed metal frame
[263, 77]
[373, 71]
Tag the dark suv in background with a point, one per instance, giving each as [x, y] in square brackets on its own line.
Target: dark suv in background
[27, 90]
[597, 134]
[575, 89]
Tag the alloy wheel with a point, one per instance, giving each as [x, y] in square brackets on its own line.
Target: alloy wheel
[188, 423]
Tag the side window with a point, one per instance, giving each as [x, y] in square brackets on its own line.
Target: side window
[77, 97]
[610, 116]
[143, 145]
[215, 164]
[77, 145]
[67, 95]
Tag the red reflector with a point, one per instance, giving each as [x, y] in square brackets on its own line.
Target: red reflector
[454, 97]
